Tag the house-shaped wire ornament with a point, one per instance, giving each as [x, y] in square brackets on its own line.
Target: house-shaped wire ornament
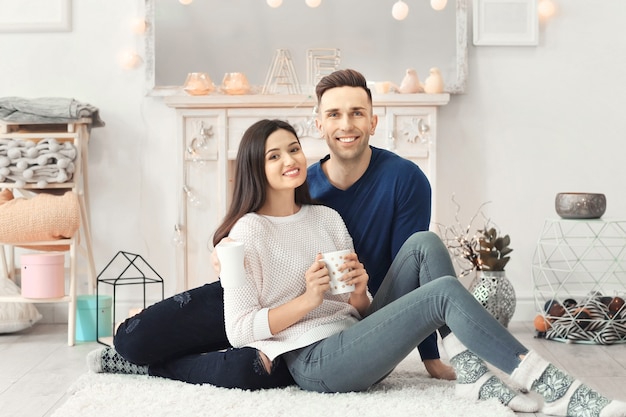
[126, 268]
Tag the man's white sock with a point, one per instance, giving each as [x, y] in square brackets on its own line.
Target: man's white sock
[563, 395]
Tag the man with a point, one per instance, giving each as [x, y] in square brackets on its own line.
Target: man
[382, 197]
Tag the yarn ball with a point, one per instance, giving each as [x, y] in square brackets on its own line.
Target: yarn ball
[42, 160]
[542, 324]
[553, 308]
[53, 145]
[63, 163]
[583, 317]
[32, 152]
[570, 302]
[616, 304]
[14, 153]
[61, 177]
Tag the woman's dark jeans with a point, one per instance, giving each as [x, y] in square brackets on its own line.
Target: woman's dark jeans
[183, 338]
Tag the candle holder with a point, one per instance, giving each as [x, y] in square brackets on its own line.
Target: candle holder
[235, 83]
[198, 84]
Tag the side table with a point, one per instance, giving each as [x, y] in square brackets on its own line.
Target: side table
[580, 265]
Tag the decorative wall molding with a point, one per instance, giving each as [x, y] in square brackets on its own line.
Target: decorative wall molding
[36, 15]
[506, 22]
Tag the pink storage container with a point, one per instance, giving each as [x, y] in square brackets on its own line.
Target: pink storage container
[43, 275]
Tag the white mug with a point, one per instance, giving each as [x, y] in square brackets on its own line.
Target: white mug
[232, 272]
[333, 261]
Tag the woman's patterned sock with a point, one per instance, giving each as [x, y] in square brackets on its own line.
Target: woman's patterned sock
[107, 360]
[563, 395]
[476, 381]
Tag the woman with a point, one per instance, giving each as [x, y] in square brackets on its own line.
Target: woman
[346, 342]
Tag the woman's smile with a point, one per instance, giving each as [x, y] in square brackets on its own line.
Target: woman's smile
[292, 172]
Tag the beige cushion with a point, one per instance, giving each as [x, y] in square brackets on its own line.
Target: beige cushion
[41, 218]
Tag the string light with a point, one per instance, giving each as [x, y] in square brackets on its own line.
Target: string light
[438, 4]
[178, 239]
[274, 3]
[139, 26]
[192, 198]
[400, 10]
[130, 60]
[546, 9]
[313, 3]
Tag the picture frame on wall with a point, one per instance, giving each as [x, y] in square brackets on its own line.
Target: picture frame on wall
[506, 22]
[35, 15]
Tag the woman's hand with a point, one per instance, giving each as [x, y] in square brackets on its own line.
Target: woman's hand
[317, 282]
[357, 275]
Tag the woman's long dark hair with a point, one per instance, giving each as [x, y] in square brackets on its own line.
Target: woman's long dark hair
[250, 185]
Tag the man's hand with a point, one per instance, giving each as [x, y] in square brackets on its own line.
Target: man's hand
[437, 369]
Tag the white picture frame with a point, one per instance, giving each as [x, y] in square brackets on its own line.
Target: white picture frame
[35, 15]
[506, 22]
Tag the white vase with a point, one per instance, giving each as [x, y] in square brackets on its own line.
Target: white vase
[434, 82]
[410, 83]
[496, 293]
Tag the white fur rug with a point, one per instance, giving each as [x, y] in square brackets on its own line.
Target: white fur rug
[408, 391]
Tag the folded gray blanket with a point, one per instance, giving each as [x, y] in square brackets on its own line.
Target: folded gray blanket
[44, 162]
[47, 110]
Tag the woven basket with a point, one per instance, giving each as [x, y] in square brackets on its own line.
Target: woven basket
[599, 328]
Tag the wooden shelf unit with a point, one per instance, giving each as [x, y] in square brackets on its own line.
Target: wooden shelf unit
[78, 133]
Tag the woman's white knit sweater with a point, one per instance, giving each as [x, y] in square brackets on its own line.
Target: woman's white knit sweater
[278, 251]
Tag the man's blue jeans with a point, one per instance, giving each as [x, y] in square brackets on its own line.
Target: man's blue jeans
[419, 295]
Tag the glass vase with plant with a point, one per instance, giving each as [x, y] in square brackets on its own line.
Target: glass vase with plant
[485, 251]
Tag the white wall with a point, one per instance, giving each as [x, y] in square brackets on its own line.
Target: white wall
[534, 121]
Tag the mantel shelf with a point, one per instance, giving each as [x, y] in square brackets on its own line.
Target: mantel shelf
[221, 101]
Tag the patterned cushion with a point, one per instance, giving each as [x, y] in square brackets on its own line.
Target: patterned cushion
[15, 316]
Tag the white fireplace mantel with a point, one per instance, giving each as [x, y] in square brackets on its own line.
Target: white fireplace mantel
[210, 128]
